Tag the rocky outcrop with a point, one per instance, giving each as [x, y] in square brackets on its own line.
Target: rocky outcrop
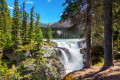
[67, 53]
[54, 61]
[81, 43]
[83, 51]
[58, 51]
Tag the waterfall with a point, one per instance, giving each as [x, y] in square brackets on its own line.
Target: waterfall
[73, 59]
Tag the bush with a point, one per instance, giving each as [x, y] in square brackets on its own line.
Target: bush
[97, 54]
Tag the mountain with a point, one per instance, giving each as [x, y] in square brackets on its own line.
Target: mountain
[66, 23]
[46, 24]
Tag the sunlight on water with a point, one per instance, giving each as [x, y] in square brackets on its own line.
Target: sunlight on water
[76, 60]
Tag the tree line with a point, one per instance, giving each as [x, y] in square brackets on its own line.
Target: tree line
[62, 33]
[20, 29]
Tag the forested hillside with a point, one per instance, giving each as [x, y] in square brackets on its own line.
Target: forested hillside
[24, 54]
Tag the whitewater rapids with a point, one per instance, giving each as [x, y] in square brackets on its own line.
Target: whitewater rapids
[76, 58]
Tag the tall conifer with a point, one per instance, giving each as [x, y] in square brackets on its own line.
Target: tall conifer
[16, 24]
[38, 32]
[5, 27]
[49, 34]
[24, 23]
[32, 28]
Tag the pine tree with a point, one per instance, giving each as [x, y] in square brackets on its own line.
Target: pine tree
[5, 18]
[1, 29]
[21, 12]
[38, 32]
[108, 38]
[49, 34]
[16, 24]
[31, 29]
[88, 62]
[5, 26]
[24, 24]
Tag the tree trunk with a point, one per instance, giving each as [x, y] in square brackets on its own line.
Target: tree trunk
[88, 61]
[108, 39]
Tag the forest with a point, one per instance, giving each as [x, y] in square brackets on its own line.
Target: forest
[29, 51]
[63, 34]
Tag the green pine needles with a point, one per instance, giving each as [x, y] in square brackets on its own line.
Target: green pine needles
[49, 34]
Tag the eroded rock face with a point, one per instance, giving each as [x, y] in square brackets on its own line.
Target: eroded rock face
[54, 61]
[58, 52]
[81, 43]
[67, 53]
[83, 51]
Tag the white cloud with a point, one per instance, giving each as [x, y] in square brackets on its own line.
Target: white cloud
[49, 0]
[61, 14]
[30, 2]
[10, 7]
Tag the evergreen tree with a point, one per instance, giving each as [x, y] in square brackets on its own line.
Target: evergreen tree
[108, 38]
[1, 29]
[21, 12]
[49, 34]
[38, 32]
[31, 29]
[24, 24]
[5, 27]
[16, 24]
[88, 62]
[5, 18]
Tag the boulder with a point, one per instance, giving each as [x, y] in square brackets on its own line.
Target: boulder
[81, 43]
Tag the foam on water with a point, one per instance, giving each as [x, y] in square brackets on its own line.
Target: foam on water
[76, 62]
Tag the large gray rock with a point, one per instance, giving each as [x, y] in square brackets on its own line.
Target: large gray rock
[83, 51]
[81, 43]
[59, 52]
[54, 62]
[67, 53]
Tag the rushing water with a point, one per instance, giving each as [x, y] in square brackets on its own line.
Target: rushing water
[73, 59]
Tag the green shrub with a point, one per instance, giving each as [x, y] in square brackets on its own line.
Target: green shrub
[97, 54]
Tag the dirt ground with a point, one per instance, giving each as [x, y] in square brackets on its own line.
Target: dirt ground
[93, 73]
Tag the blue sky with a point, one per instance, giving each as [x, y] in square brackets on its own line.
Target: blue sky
[49, 10]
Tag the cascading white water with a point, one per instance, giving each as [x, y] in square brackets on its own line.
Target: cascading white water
[76, 60]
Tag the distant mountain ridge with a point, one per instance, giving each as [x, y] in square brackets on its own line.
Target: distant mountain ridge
[46, 24]
[66, 23]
